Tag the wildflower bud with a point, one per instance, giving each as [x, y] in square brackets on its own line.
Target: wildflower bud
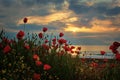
[47, 67]
[7, 49]
[36, 76]
[45, 29]
[25, 20]
[102, 52]
[38, 63]
[20, 34]
[61, 34]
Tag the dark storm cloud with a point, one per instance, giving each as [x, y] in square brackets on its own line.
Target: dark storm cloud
[6, 3]
[2, 16]
[99, 8]
[47, 1]
[113, 11]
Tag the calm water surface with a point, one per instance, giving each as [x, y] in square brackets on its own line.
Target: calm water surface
[93, 51]
[95, 48]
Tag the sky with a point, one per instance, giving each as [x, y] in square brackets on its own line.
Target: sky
[83, 22]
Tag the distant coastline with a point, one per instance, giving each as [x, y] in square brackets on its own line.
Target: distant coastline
[94, 48]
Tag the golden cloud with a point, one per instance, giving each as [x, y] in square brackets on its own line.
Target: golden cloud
[97, 22]
[57, 16]
[97, 26]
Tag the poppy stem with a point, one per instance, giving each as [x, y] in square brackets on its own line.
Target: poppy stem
[24, 27]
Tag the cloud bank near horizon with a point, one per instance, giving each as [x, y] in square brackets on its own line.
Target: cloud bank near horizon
[86, 22]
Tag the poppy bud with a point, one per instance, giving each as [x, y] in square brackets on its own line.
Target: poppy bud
[25, 20]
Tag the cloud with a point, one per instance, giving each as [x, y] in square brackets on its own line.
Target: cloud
[58, 16]
[88, 20]
[97, 26]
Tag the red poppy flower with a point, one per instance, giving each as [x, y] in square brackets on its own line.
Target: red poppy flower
[117, 44]
[6, 40]
[77, 52]
[115, 51]
[38, 63]
[40, 35]
[55, 46]
[72, 51]
[60, 53]
[20, 34]
[112, 65]
[46, 41]
[35, 57]
[45, 29]
[47, 67]
[102, 52]
[117, 56]
[114, 47]
[94, 64]
[27, 47]
[103, 65]
[1, 45]
[105, 60]
[61, 34]
[62, 41]
[83, 60]
[45, 46]
[7, 49]
[36, 76]
[54, 39]
[66, 48]
[79, 48]
[72, 47]
[25, 20]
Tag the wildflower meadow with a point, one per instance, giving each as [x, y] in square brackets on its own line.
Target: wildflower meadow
[45, 56]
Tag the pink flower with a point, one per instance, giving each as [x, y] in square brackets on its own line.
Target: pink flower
[40, 35]
[45, 29]
[38, 63]
[20, 34]
[36, 76]
[61, 34]
[47, 67]
[102, 52]
[7, 49]
[25, 20]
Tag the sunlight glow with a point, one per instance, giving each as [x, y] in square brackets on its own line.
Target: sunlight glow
[94, 29]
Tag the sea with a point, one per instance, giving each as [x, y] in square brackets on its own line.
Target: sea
[93, 51]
